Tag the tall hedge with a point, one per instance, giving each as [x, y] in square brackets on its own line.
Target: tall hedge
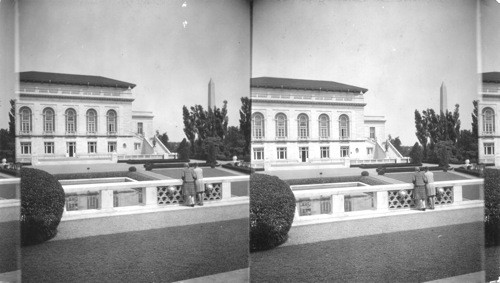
[42, 206]
[492, 206]
[272, 207]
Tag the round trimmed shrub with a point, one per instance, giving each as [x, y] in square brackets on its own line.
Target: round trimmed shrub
[148, 166]
[42, 206]
[381, 171]
[365, 173]
[272, 207]
[132, 169]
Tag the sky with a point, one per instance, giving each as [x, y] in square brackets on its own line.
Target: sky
[145, 42]
[7, 59]
[401, 51]
[490, 35]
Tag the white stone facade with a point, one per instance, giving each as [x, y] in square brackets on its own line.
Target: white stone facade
[312, 127]
[488, 118]
[63, 120]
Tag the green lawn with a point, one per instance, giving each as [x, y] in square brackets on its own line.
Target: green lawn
[157, 255]
[8, 191]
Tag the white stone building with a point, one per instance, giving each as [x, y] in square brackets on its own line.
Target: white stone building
[488, 120]
[314, 124]
[79, 118]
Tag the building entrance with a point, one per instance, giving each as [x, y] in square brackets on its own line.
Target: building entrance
[71, 149]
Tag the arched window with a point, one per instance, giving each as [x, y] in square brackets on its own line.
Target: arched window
[344, 126]
[488, 121]
[48, 120]
[281, 125]
[258, 126]
[91, 121]
[111, 121]
[324, 126]
[303, 126]
[70, 121]
[25, 114]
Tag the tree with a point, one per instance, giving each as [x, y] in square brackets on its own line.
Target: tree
[212, 148]
[12, 119]
[444, 152]
[183, 150]
[421, 133]
[200, 124]
[416, 153]
[234, 143]
[163, 138]
[8, 137]
[396, 143]
[189, 128]
[246, 122]
[432, 128]
[474, 119]
[467, 146]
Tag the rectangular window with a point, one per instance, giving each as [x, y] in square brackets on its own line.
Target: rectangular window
[372, 132]
[49, 147]
[137, 146]
[258, 154]
[344, 151]
[92, 147]
[111, 146]
[489, 149]
[140, 128]
[369, 150]
[281, 152]
[325, 152]
[25, 148]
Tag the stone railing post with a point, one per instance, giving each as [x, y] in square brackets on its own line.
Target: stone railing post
[106, 197]
[338, 203]
[457, 194]
[226, 189]
[382, 200]
[150, 196]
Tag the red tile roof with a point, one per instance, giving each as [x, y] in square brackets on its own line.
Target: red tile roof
[491, 77]
[270, 82]
[44, 77]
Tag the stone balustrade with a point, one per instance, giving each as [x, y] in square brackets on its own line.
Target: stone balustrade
[103, 196]
[380, 198]
[139, 156]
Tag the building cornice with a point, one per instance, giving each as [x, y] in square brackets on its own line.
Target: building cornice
[52, 96]
[255, 142]
[309, 102]
[73, 136]
[142, 116]
[489, 137]
[488, 95]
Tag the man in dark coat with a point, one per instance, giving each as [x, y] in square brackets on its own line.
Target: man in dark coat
[419, 180]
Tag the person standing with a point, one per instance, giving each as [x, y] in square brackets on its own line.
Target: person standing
[430, 189]
[188, 190]
[419, 180]
[199, 184]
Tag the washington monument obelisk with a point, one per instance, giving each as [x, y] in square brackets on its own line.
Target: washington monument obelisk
[443, 99]
[211, 94]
